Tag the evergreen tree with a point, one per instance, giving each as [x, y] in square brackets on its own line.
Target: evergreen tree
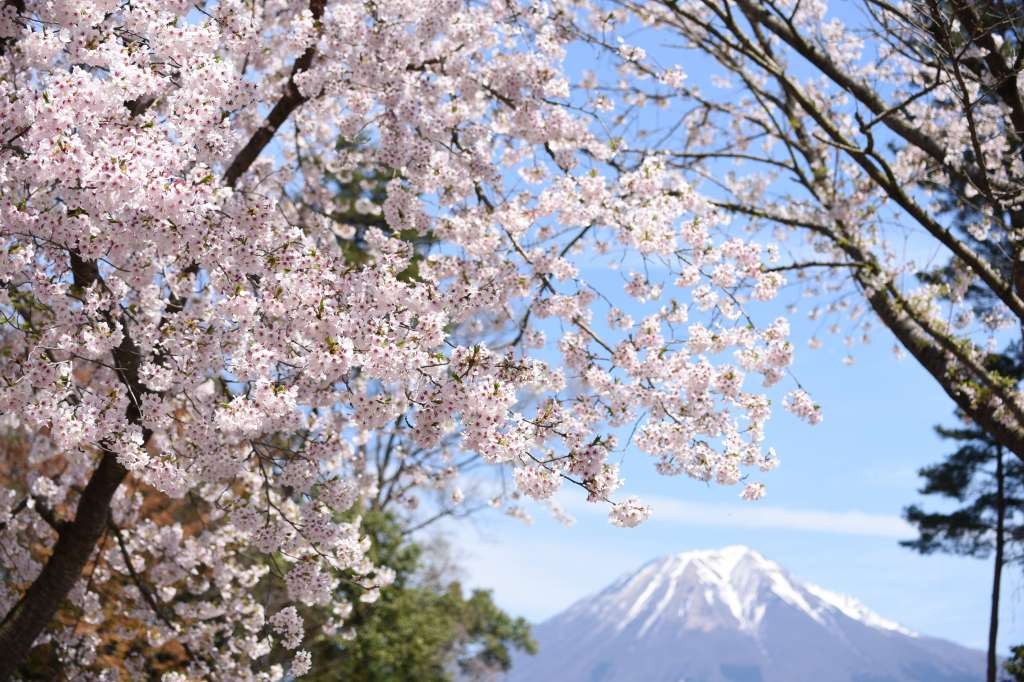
[988, 520]
[1015, 665]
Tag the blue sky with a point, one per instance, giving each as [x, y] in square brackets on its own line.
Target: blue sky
[832, 514]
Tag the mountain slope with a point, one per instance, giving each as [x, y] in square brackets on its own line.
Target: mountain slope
[733, 616]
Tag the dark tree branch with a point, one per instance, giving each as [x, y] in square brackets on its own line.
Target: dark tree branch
[19, 9]
[291, 100]
[1005, 78]
[75, 544]
[813, 264]
[862, 92]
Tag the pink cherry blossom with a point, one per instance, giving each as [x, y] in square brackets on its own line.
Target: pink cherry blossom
[206, 313]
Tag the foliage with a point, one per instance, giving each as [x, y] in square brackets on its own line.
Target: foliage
[1015, 664]
[968, 477]
[423, 627]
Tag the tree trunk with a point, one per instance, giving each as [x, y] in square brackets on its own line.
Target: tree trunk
[993, 626]
[75, 544]
[77, 540]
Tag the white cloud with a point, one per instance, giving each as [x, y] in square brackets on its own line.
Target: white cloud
[757, 515]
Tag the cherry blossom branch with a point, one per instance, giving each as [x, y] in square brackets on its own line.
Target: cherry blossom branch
[144, 589]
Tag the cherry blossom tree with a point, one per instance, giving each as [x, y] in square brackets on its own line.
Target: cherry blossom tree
[200, 356]
[883, 151]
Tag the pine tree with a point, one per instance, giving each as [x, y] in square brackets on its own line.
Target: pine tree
[1015, 665]
[988, 487]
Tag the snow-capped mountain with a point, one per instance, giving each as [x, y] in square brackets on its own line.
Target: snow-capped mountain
[732, 615]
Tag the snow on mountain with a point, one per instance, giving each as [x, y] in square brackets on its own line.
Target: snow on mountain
[731, 615]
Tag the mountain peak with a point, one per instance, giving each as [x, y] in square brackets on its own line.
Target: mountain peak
[723, 561]
[728, 588]
[719, 615]
[726, 557]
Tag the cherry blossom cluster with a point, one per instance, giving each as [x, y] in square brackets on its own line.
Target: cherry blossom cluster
[184, 302]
